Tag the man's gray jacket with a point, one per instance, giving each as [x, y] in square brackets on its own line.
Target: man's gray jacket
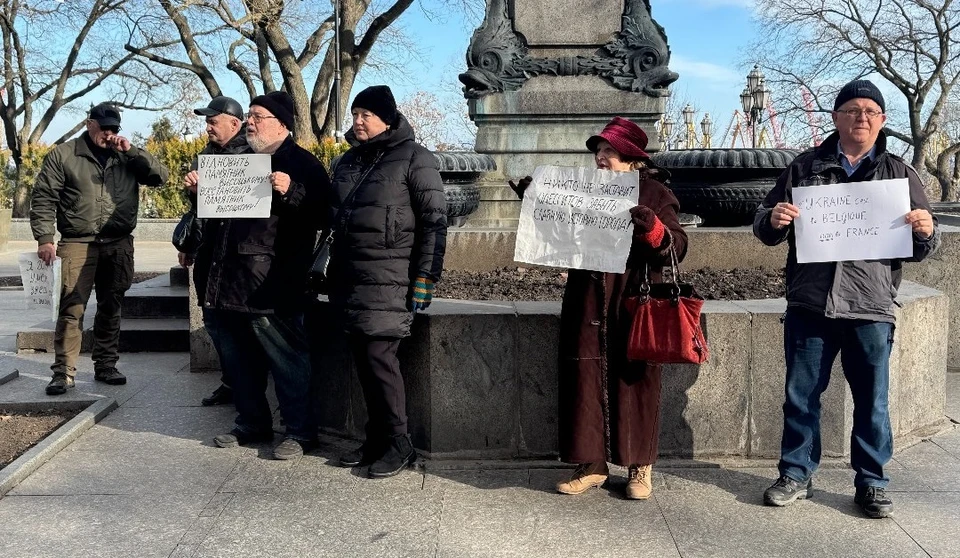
[850, 289]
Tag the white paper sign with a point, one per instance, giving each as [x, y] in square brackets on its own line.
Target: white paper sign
[234, 186]
[853, 221]
[41, 282]
[577, 218]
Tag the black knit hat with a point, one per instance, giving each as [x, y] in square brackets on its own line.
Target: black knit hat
[379, 100]
[279, 103]
[859, 89]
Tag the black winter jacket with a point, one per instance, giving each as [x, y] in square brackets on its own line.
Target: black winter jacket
[259, 265]
[236, 146]
[850, 289]
[393, 230]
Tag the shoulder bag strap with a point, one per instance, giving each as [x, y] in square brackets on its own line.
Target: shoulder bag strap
[353, 192]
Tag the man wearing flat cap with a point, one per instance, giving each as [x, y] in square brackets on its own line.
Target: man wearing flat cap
[226, 136]
[88, 189]
[844, 307]
[251, 280]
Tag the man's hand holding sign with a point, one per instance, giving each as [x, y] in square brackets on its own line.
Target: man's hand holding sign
[853, 221]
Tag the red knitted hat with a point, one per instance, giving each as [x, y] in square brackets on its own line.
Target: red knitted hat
[625, 136]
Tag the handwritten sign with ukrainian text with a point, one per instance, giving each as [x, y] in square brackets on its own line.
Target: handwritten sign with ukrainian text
[577, 218]
[853, 221]
[234, 186]
[41, 282]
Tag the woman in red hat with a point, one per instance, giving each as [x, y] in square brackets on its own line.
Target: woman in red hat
[610, 407]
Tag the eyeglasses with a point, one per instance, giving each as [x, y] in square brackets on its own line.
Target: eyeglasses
[857, 113]
[258, 117]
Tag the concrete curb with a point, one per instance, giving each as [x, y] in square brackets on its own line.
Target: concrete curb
[26, 464]
[9, 376]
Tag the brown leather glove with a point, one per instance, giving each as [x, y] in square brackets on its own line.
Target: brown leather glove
[520, 187]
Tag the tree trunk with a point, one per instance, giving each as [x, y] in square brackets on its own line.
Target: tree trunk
[21, 198]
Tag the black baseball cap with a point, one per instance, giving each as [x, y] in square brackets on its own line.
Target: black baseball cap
[106, 114]
[221, 105]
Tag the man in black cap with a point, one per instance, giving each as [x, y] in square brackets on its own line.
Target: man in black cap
[224, 117]
[251, 278]
[844, 307]
[88, 190]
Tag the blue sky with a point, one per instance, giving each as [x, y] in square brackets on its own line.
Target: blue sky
[707, 39]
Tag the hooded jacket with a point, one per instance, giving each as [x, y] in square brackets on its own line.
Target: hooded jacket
[849, 289]
[391, 231]
[88, 201]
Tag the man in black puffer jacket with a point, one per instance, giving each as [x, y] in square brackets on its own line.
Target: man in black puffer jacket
[251, 281]
[227, 135]
[388, 214]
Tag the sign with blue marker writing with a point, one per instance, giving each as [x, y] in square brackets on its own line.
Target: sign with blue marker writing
[853, 221]
[577, 218]
[234, 186]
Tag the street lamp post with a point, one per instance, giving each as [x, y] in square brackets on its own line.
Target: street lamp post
[688, 113]
[706, 127]
[666, 131]
[754, 98]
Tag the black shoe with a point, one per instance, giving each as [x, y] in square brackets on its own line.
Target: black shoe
[240, 438]
[292, 448]
[223, 395]
[60, 384]
[786, 490]
[399, 454]
[110, 376]
[874, 502]
[370, 451]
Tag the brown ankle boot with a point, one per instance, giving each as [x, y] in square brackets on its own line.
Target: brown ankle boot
[585, 477]
[639, 485]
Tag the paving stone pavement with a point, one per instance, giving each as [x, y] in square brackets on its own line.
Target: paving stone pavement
[147, 481]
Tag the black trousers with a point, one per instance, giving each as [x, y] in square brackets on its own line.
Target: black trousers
[379, 371]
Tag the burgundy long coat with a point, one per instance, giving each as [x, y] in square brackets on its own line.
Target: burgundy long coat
[610, 407]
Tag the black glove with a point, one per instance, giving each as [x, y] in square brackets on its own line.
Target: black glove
[520, 187]
[643, 218]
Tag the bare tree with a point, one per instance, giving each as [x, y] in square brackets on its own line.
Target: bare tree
[274, 44]
[57, 53]
[913, 44]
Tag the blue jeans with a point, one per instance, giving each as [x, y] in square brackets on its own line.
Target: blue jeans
[209, 322]
[811, 342]
[251, 345]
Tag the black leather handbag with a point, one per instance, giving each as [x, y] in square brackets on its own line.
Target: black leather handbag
[317, 278]
[186, 235]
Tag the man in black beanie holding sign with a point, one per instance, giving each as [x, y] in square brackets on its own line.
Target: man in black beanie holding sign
[841, 307]
[251, 281]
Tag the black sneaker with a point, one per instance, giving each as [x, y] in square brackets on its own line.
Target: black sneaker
[292, 448]
[370, 451]
[237, 437]
[874, 502]
[400, 453]
[786, 490]
[110, 376]
[223, 395]
[60, 384]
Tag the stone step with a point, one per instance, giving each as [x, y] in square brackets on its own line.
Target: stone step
[136, 335]
[156, 298]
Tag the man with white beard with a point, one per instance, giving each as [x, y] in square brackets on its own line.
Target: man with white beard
[251, 281]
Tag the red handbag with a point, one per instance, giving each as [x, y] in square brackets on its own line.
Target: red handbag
[665, 326]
